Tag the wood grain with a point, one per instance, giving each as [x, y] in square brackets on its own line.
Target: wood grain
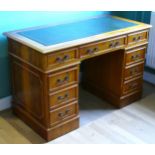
[99, 123]
[45, 84]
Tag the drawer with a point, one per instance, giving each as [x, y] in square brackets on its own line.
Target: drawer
[135, 55]
[96, 48]
[135, 38]
[61, 57]
[63, 96]
[63, 113]
[116, 43]
[63, 78]
[133, 71]
[130, 86]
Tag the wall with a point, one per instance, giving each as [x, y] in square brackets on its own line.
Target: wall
[17, 20]
[142, 16]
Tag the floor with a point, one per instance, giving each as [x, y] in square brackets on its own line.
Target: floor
[100, 123]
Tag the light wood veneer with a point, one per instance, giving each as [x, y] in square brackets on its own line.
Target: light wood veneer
[45, 85]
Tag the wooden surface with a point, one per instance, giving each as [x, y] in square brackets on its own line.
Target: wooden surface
[45, 85]
[99, 123]
[70, 37]
[33, 101]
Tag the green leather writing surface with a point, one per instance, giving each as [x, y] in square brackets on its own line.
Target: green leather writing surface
[52, 35]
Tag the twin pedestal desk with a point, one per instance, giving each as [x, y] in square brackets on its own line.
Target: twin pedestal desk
[45, 69]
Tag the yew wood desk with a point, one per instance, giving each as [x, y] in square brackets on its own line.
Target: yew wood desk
[45, 69]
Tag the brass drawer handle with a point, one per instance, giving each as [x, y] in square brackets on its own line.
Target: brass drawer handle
[114, 44]
[134, 39]
[111, 45]
[95, 49]
[66, 79]
[59, 59]
[67, 111]
[117, 43]
[64, 114]
[66, 57]
[133, 57]
[60, 114]
[133, 85]
[133, 71]
[61, 81]
[60, 98]
[136, 56]
[137, 38]
[90, 51]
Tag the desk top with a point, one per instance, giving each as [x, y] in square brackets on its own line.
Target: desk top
[55, 37]
[52, 35]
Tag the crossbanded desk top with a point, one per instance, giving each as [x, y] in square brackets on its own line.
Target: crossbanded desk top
[56, 37]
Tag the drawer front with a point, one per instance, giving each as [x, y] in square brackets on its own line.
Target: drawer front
[64, 96]
[137, 37]
[131, 86]
[135, 56]
[62, 57]
[63, 78]
[131, 72]
[88, 50]
[116, 43]
[63, 113]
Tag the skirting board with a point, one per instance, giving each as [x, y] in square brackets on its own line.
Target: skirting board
[5, 103]
[149, 77]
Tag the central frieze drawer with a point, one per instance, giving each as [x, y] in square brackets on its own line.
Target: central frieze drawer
[99, 47]
[63, 96]
[135, 55]
[63, 78]
[61, 114]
